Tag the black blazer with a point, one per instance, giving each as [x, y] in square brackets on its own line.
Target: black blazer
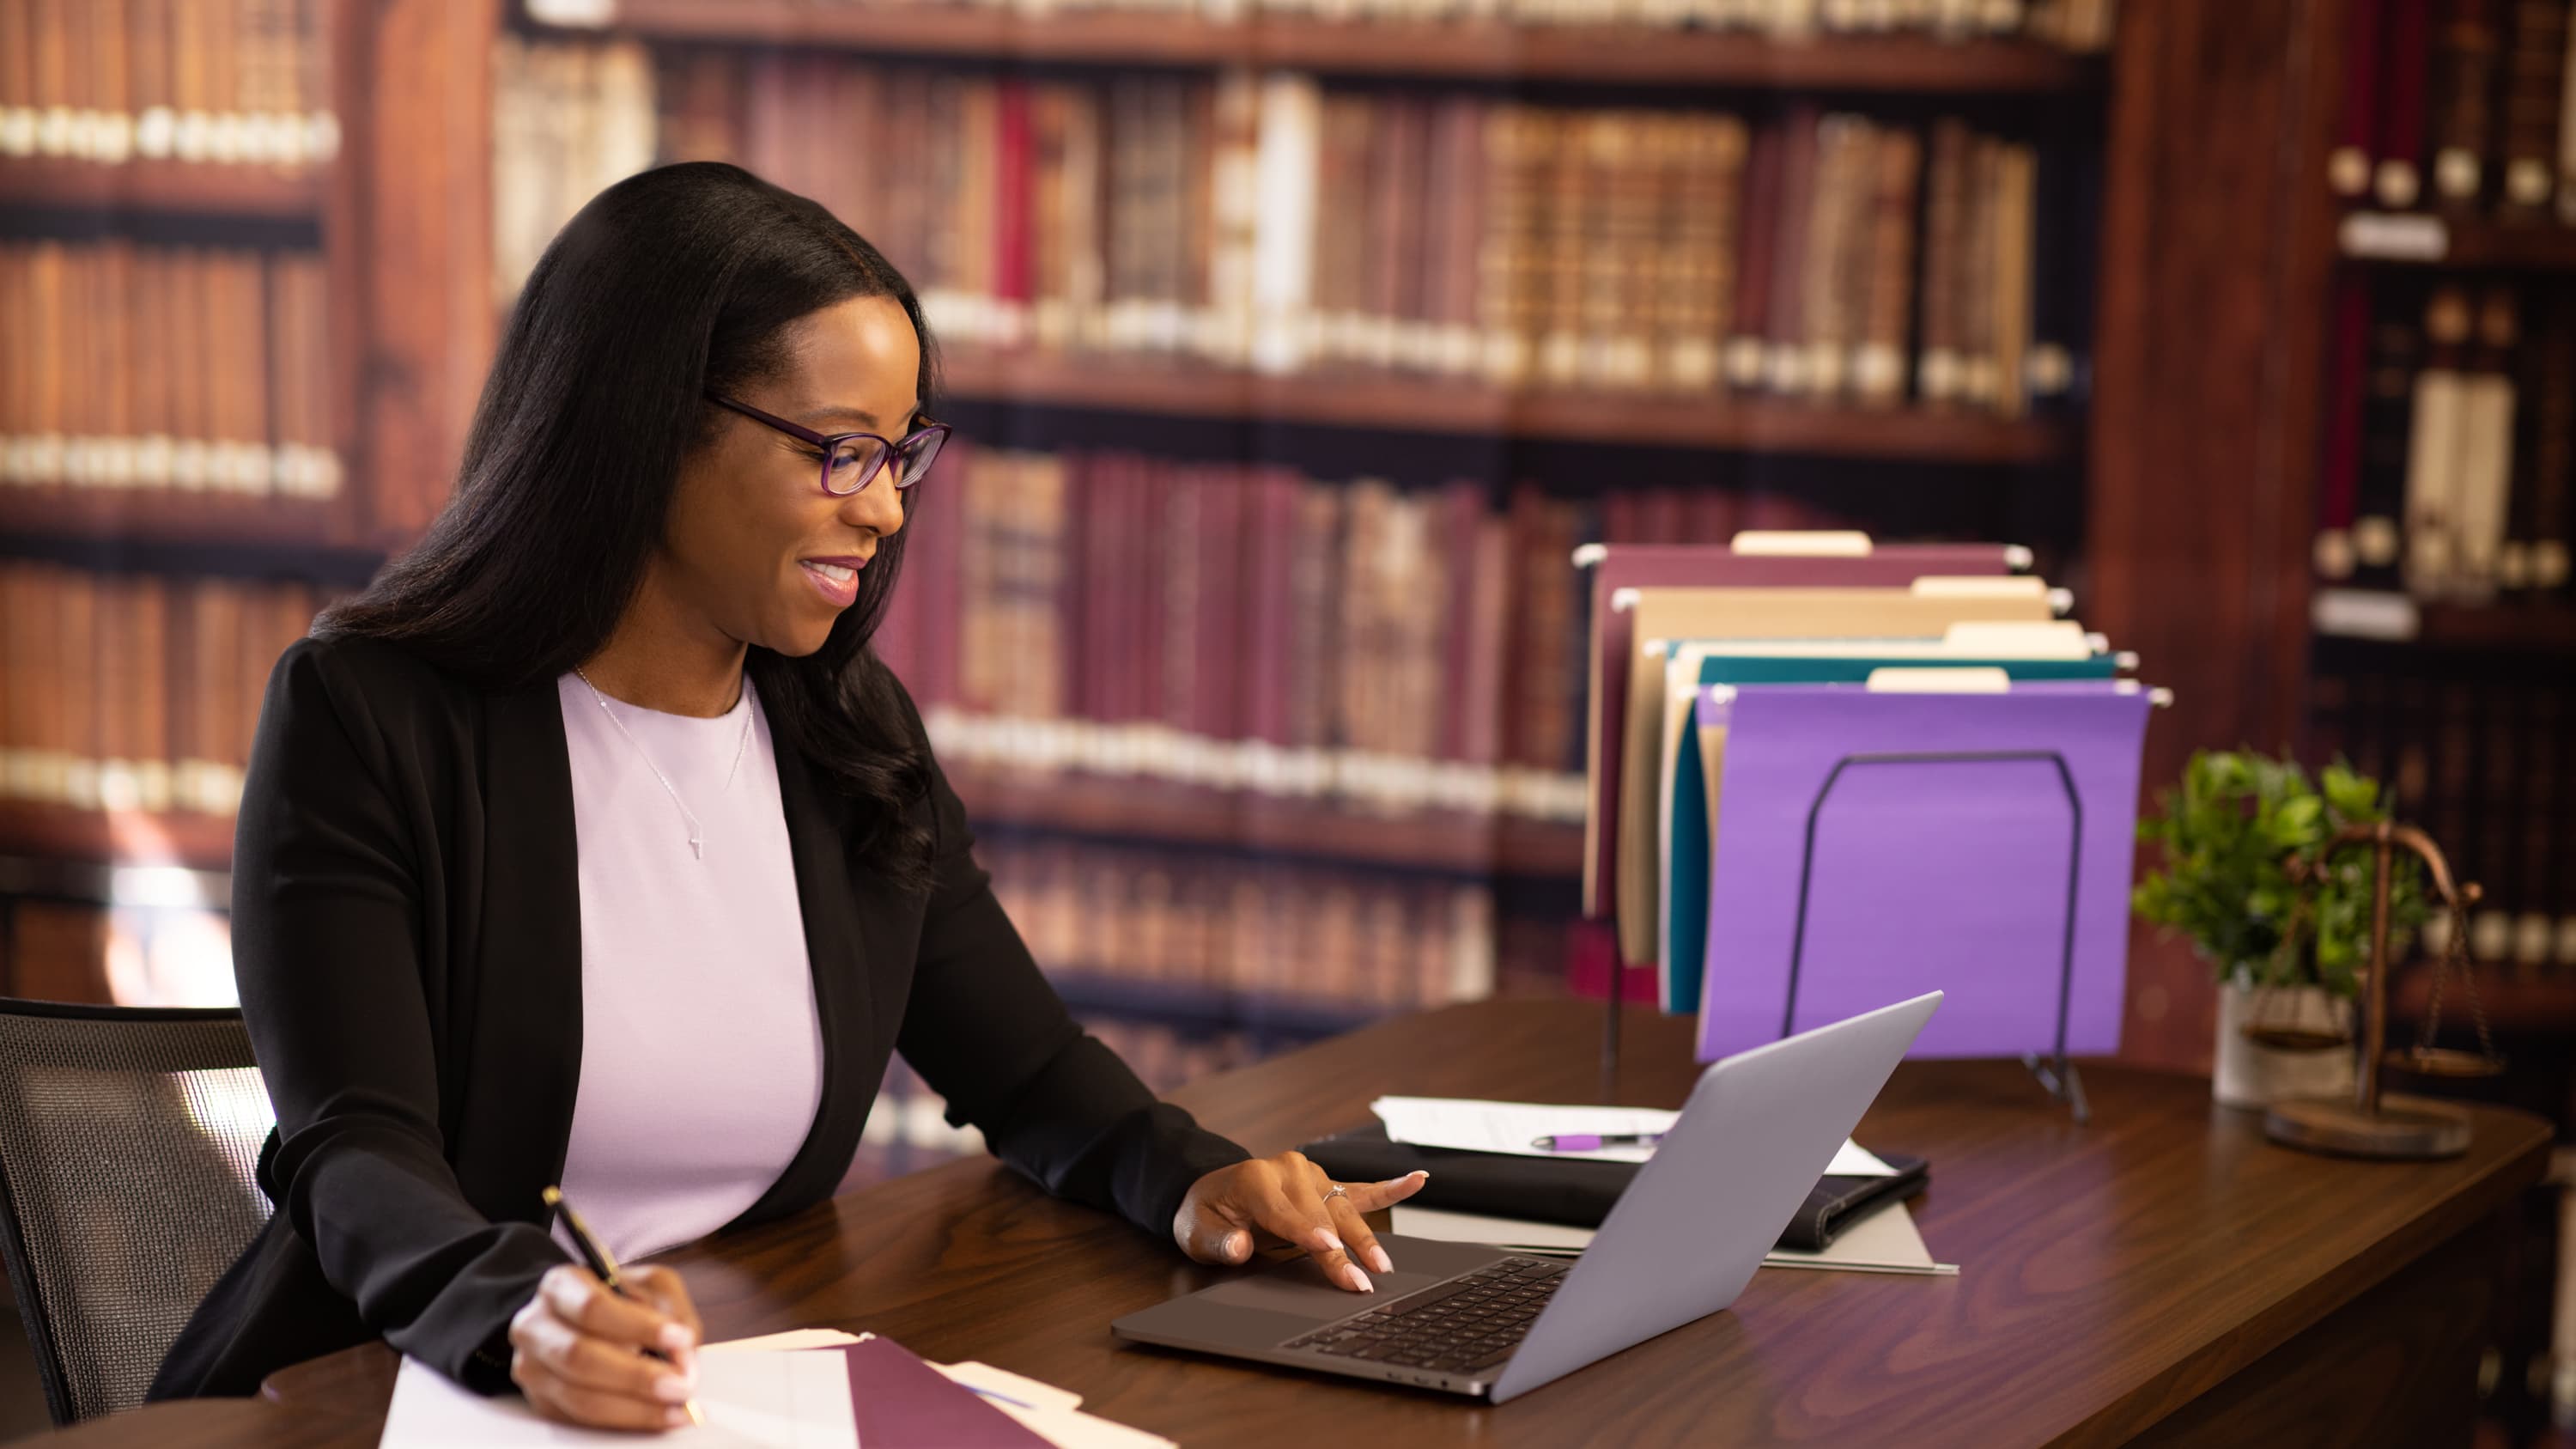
[407, 938]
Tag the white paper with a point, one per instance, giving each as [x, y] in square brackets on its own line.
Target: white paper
[750, 1400]
[794, 1338]
[1047, 1411]
[1449, 1227]
[1051, 1413]
[1885, 1241]
[1473, 1125]
[1002, 1384]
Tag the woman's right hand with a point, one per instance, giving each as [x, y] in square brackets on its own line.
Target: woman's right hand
[577, 1349]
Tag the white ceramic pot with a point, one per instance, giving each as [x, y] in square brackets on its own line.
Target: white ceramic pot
[2246, 1073]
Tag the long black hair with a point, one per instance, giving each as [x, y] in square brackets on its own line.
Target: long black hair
[670, 283]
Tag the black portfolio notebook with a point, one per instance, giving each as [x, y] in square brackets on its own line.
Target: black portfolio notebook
[1574, 1192]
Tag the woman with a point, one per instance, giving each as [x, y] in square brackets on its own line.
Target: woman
[591, 845]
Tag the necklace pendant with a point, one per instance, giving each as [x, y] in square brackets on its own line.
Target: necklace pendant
[697, 847]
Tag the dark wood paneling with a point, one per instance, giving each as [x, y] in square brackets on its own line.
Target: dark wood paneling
[2217, 253]
[426, 217]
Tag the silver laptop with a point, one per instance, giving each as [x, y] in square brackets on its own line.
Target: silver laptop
[1681, 1243]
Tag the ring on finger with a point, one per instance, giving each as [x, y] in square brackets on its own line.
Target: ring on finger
[1334, 1190]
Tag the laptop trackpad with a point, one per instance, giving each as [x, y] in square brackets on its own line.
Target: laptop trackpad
[1299, 1287]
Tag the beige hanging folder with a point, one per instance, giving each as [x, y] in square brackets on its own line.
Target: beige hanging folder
[1666, 615]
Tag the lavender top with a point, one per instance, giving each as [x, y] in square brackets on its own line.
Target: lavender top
[701, 1048]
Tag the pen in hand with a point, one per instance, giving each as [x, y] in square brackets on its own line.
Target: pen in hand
[1591, 1141]
[595, 1256]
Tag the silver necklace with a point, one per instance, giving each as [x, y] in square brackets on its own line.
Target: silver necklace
[697, 837]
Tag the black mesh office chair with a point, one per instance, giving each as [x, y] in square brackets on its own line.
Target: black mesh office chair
[128, 1137]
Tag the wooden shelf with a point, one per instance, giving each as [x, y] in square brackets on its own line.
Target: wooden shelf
[185, 187]
[1191, 1004]
[2520, 1001]
[2526, 626]
[1479, 50]
[1109, 805]
[2425, 239]
[163, 516]
[1412, 403]
[2512, 628]
[120, 837]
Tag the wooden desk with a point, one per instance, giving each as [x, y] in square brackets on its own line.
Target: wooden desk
[2163, 1276]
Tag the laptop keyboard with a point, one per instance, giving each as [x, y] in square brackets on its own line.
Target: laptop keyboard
[1465, 1324]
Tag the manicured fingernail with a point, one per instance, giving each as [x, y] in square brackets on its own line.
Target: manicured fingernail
[1378, 1259]
[676, 1338]
[1361, 1281]
[1331, 1239]
[1238, 1245]
[674, 1418]
[670, 1389]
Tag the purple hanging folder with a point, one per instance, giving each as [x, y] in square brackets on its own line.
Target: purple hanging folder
[1924, 874]
[1717, 565]
[904, 1403]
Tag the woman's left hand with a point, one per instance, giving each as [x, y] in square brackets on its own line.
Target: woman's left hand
[1287, 1199]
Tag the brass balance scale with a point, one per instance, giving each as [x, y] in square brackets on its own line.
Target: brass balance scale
[2373, 1122]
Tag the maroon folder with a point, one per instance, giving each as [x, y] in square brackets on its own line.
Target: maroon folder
[903, 1403]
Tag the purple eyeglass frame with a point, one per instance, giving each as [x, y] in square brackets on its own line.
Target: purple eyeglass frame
[830, 442]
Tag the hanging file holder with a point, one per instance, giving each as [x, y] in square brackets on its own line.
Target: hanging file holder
[2055, 1072]
[2042, 763]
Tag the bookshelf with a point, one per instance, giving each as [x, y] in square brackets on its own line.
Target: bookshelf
[1354, 399]
[2189, 540]
[1054, 408]
[2439, 632]
[404, 217]
[2394, 173]
[180, 481]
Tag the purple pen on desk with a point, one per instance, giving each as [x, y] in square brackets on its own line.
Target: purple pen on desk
[1593, 1141]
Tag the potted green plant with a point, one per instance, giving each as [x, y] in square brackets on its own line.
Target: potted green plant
[2288, 955]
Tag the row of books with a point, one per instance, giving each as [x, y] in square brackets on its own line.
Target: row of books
[2450, 458]
[135, 691]
[1400, 648]
[192, 369]
[1272, 222]
[1831, 774]
[1267, 931]
[2486, 767]
[2077, 25]
[2459, 106]
[222, 82]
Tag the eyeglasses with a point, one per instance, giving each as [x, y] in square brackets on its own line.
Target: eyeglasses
[851, 460]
